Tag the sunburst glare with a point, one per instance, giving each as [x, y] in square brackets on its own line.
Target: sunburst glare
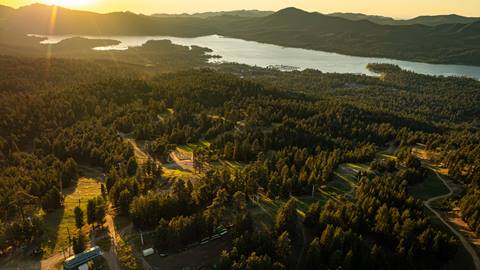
[68, 3]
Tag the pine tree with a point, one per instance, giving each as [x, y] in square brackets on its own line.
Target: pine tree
[78, 217]
[78, 243]
[286, 219]
[283, 248]
[124, 201]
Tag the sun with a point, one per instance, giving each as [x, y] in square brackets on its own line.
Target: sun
[68, 3]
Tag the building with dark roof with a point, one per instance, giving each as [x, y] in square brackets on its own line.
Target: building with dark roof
[82, 258]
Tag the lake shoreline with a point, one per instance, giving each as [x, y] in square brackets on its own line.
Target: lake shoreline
[233, 50]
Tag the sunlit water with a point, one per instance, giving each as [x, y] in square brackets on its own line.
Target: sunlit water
[264, 55]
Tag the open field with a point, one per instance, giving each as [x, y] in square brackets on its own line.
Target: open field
[62, 221]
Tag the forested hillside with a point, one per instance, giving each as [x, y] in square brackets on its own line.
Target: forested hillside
[454, 42]
[296, 28]
[286, 136]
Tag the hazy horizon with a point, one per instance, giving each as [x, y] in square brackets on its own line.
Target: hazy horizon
[398, 10]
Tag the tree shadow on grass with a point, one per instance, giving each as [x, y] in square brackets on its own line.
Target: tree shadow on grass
[55, 235]
[51, 225]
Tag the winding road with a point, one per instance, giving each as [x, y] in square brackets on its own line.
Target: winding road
[465, 242]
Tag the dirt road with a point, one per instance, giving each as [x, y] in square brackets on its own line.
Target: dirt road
[53, 262]
[462, 239]
[111, 255]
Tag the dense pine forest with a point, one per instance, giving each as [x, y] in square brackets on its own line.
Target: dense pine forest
[287, 133]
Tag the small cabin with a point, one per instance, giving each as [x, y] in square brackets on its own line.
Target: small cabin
[77, 261]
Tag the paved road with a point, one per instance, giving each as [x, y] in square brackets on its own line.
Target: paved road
[462, 239]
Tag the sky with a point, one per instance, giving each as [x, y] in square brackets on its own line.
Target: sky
[392, 8]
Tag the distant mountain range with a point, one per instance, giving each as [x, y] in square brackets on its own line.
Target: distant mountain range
[457, 43]
[36, 18]
[425, 20]
[239, 13]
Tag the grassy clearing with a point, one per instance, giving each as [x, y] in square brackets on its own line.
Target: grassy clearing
[357, 166]
[304, 202]
[386, 156]
[263, 212]
[142, 157]
[176, 173]
[59, 222]
[430, 187]
[231, 165]
[186, 147]
[339, 185]
[191, 146]
[344, 179]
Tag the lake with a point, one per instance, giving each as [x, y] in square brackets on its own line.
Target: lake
[264, 55]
